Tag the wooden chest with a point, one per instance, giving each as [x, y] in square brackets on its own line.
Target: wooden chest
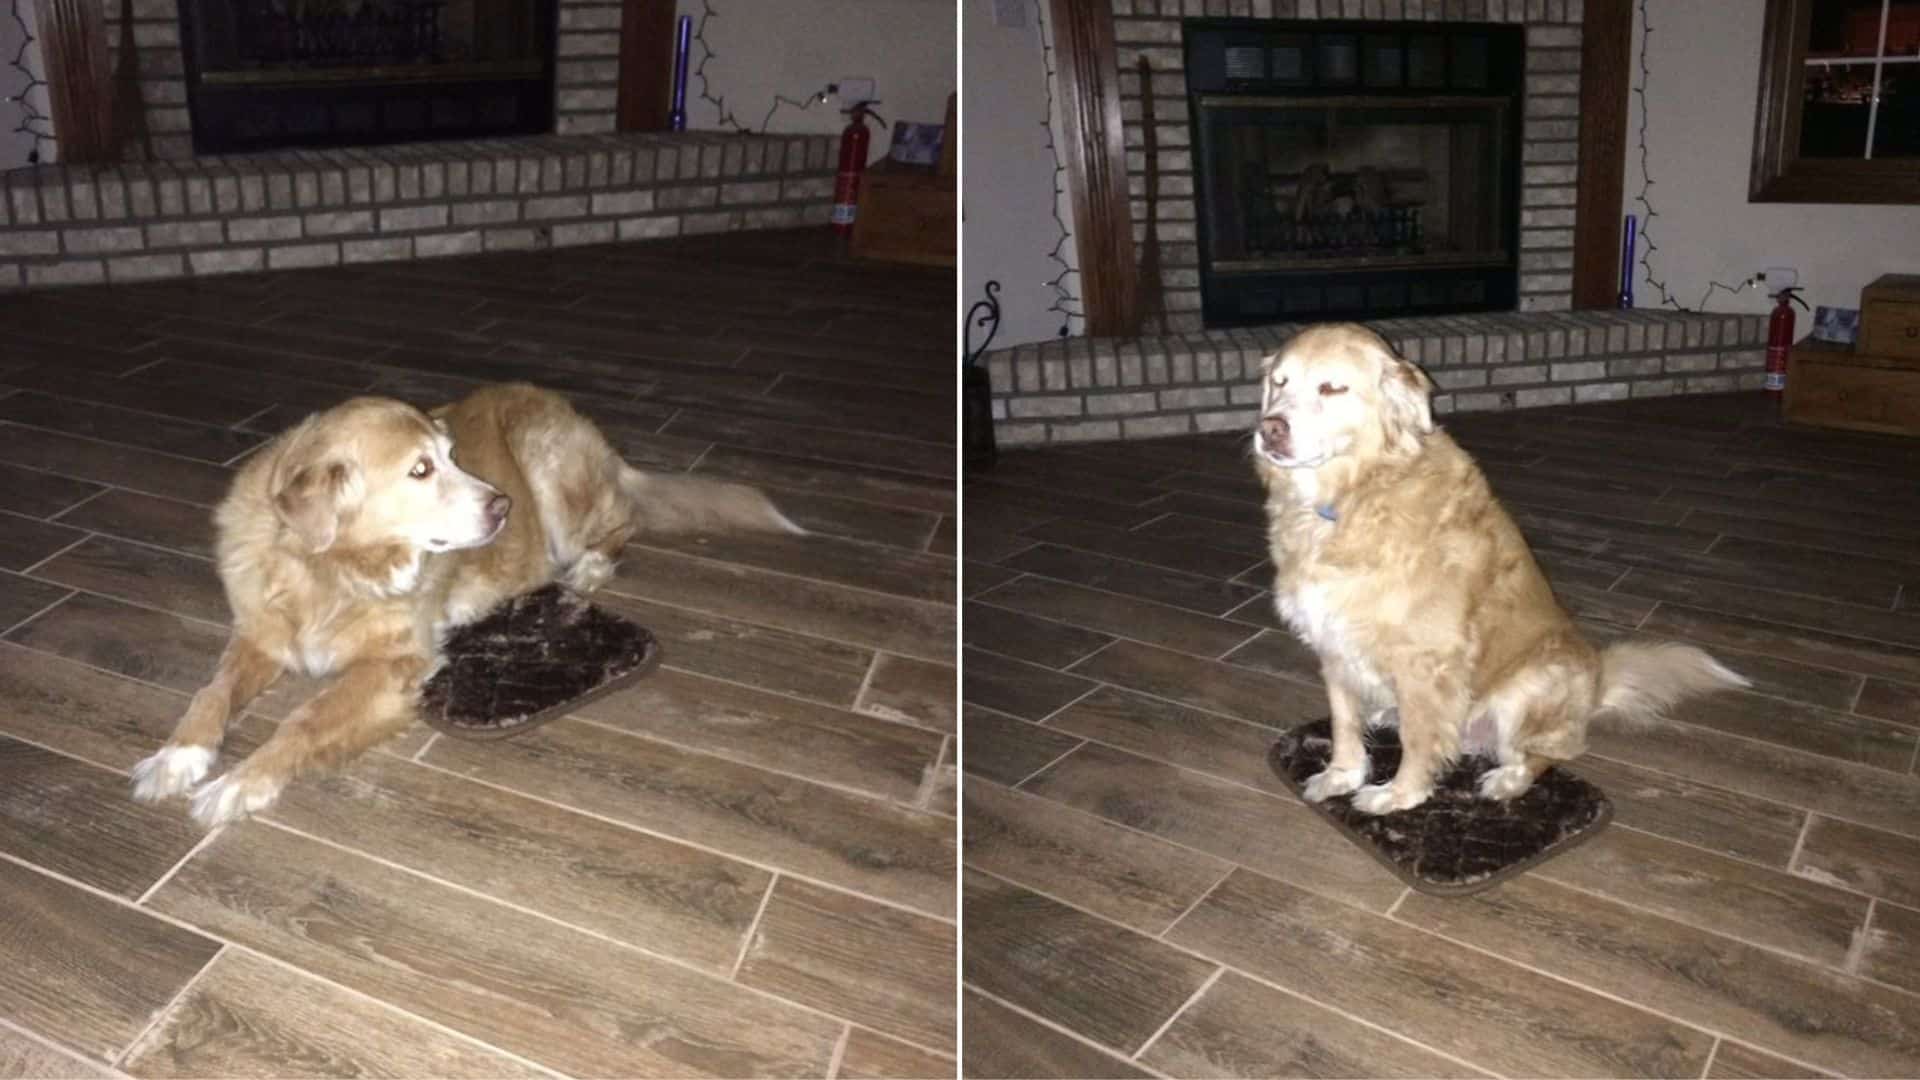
[1890, 318]
[1833, 386]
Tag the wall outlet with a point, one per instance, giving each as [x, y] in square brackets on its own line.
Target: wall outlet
[858, 89]
[1775, 278]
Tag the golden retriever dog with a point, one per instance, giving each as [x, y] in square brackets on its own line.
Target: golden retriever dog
[350, 544]
[1396, 564]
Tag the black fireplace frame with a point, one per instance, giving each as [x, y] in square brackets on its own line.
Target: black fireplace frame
[1246, 298]
[407, 102]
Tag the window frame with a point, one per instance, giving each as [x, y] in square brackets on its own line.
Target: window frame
[1779, 173]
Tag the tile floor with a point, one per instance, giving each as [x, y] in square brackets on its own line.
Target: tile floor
[1143, 897]
[743, 865]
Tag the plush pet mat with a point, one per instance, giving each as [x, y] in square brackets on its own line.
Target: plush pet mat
[1456, 842]
[532, 659]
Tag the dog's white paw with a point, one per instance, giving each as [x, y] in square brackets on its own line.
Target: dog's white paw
[589, 572]
[1505, 782]
[1330, 782]
[171, 772]
[1386, 798]
[232, 797]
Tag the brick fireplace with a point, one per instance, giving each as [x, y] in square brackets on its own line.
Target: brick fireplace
[1532, 350]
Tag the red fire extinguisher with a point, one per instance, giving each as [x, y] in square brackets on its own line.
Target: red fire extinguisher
[853, 165]
[1780, 339]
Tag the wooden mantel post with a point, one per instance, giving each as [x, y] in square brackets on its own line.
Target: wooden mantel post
[1093, 147]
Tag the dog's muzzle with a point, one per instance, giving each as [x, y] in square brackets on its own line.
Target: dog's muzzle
[1276, 436]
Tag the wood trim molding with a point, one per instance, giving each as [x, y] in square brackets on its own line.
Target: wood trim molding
[645, 99]
[73, 45]
[1606, 55]
[1094, 151]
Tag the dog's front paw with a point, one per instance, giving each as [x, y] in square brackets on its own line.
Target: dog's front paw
[171, 772]
[1505, 782]
[1330, 782]
[233, 796]
[1386, 798]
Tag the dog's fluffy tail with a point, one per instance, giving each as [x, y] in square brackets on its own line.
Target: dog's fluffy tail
[677, 503]
[1641, 680]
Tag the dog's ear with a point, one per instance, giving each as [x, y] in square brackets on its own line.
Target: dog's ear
[1406, 404]
[310, 502]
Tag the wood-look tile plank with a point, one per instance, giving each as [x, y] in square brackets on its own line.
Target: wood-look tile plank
[76, 820]
[911, 691]
[1206, 684]
[1007, 750]
[1112, 613]
[140, 643]
[114, 464]
[1778, 1003]
[1269, 833]
[1733, 1061]
[1205, 742]
[1001, 1044]
[872, 523]
[148, 519]
[145, 430]
[80, 711]
[526, 985]
[910, 574]
[1443, 995]
[25, 541]
[25, 1057]
[762, 656]
[1278, 652]
[1754, 600]
[1010, 499]
[1185, 556]
[754, 727]
[1030, 638]
[1876, 862]
[875, 1057]
[754, 433]
[294, 397]
[882, 967]
[1766, 907]
[888, 487]
[149, 576]
[1665, 804]
[1239, 1027]
[1822, 731]
[978, 577]
[1890, 944]
[206, 406]
[653, 893]
[1862, 541]
[87, 969]
[1898, 702]
[1138, 580]
[1819, 648]
[992, 545]
[1113, 985]
[1129, 877]
[916, 627]
[1027, 691]
[40, 494]
[875, 847]
[251, 1017]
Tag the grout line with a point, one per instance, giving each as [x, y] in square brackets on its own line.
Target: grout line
[839, 1052]
[1857, 948]
[239, 425]
[866, 681]
[1644, 619]
[615, 585]
[933, 533]
[197, 847]
[1078, 698]
[28, 572]
[1055, 1026]
[1799, 842]
[1197, 901]
[1712, 1052]
[697, 458]
[1184, 1006]
[1899, 591]
[1035, 773]
[418, 755]
[1853, 707]
[1237, 646]
[1397, 901]
[104, 489]
[138, 368]
[746, 941]
[71, 593]
[75, 1055]
[162, 1012]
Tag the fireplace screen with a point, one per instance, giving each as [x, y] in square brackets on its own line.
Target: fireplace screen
[270, 73]
[1353, 170]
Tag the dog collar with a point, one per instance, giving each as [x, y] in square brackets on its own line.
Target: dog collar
[1327, 512]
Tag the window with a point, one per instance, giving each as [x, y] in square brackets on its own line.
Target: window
[1839, 115]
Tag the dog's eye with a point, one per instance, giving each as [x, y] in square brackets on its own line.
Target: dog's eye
[421, 469]
[1327, 389]
[1279, 381]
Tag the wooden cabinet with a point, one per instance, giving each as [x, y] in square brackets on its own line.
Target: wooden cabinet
[911, 214]
[1833, 386]
[1890, 317]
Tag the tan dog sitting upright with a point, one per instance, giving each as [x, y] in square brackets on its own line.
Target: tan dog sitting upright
[350, 545]
[1394, 561]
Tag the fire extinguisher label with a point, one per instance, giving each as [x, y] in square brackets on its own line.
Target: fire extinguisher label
[843, 213]
[1776, 380]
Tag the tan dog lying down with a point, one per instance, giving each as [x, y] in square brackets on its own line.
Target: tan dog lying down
[350, 544]
[1394, 561]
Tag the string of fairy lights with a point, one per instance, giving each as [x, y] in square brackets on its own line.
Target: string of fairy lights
[1066, 303]
[32, 121]
[724, 115]
[1647, 212]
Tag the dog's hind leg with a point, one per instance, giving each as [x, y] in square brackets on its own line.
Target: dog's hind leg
[365, 705]
[1347, 767]
[1433, 710]
[244, 672]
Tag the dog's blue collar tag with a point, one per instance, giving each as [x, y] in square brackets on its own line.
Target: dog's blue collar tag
[1327, 512]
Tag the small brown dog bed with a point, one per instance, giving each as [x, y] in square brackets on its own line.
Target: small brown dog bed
[531, 659]
[1455, 843]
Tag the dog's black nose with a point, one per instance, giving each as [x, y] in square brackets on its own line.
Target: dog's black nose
[1274, 431]
[497, 508]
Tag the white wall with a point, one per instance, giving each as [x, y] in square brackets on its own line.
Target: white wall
[1705, 61]
[796, 47]
[16, 145]
[1007, 174]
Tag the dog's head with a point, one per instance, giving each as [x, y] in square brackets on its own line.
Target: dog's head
[375, 472]
[1339, 390]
